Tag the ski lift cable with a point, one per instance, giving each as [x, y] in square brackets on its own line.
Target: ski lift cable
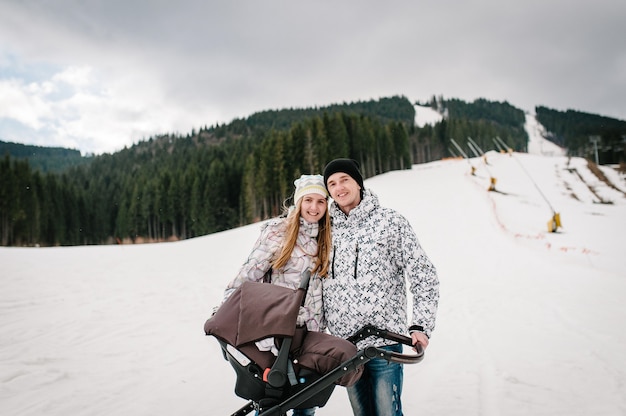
[536, 186]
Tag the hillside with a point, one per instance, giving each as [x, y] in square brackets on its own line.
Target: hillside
[508, 339]
[44, 159]
[176, 187]
[592, 135]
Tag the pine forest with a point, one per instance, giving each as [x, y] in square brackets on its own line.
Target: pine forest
[176, 187]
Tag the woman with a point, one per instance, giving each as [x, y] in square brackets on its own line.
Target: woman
[288, 247]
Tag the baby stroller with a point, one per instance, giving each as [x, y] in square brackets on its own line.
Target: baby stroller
[309, 364]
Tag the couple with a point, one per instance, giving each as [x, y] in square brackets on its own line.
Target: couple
[362, 271]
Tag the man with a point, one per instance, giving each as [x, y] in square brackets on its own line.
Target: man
[375, 254]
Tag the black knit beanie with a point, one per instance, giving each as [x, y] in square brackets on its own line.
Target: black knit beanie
[349, 166]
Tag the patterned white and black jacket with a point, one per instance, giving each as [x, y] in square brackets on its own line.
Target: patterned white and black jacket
[375, 253]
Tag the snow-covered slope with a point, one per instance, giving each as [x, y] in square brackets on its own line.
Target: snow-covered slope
[530, 322]
[426, 115]
[537, 142]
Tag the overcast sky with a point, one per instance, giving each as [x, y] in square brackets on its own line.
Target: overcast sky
[103, 74]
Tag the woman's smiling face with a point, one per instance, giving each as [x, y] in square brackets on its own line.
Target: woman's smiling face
[313, 207]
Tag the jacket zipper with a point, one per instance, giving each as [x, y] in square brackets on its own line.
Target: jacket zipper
[356, 260]
[333, 264]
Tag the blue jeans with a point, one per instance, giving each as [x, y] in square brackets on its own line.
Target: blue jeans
[378, 391]
[304, 412]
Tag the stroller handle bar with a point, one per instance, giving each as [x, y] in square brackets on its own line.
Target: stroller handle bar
[374, 352]
[362, 357]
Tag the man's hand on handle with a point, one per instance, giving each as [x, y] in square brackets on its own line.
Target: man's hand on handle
[419, 338]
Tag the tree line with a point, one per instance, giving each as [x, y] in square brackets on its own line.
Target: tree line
[224, 176]
[581, 132]
[45, 159]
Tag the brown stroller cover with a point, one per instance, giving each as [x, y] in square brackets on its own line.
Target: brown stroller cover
[260, 310]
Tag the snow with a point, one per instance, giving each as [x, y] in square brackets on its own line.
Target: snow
[530, 322]
[537, 134]
[426, 115]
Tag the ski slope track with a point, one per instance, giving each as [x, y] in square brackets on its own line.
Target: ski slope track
[530, 322]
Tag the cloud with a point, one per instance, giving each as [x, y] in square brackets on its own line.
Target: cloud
[23, 103]
[75, 76]
[74, 108]
[125, 71]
